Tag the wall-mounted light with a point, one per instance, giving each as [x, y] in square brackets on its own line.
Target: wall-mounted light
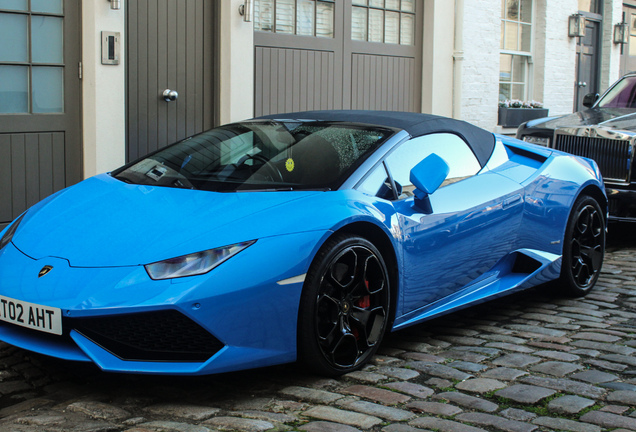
[576, 25]
[246, 10]
[115, 4]
[621, 33]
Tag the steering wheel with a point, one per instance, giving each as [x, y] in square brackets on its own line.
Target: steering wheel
[270, 166]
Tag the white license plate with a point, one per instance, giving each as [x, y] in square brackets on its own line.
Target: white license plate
[37, 317]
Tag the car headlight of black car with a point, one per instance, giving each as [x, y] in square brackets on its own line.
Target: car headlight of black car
[8, 236]
[194, 264]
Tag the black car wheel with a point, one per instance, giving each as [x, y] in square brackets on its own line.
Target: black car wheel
[344, 308]
[583, 248]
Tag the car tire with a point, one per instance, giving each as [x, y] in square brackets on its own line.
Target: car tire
[344, 306]
[583, 248]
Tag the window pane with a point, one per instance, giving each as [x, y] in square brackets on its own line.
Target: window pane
[392, 27]
[47, 35]
[519, 69]
[518, 91]
[48, 89]
[392, 4]
[407, 31]
[526, 37]
[503, 34]
[408, 5]
[359, 24]
[505, 67]
[324, 20]
[526, 10]
[305, 18]
[285, 16]
[13, 28]
[504, 92]
[48, 6]
[376, 3]
[14, 89]
[360, 2]
[589, 6]
[511, 37]
[13, 4]
[512, 10]
[376, 25]
[263, 15]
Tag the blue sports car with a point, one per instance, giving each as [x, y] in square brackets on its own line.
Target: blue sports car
[294, 236]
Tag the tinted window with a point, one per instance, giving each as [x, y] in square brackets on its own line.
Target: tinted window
[622, 95]
[260, 155]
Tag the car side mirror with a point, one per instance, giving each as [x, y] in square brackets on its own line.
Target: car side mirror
[427, 176]
[590, 99]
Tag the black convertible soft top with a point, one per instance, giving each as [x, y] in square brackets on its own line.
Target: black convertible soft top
[481, 141]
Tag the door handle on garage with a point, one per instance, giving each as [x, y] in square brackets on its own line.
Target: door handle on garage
[170, 95]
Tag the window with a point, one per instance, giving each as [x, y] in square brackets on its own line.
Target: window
[456, 153]
[299, 17]
[384, 21]
[32, 64]
[592, 6]
[516, 48]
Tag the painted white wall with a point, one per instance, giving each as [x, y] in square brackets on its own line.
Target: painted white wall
[236, 64]
[437, 58]
[103, 91]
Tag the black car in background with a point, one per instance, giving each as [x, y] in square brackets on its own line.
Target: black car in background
[606, 132]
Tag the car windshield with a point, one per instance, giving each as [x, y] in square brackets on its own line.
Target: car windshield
[260, 155]
[622, 95]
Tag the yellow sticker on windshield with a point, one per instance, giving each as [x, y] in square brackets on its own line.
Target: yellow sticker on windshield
[289, 164]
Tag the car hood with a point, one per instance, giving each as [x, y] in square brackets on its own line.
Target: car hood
[103, 222]
[611, 118]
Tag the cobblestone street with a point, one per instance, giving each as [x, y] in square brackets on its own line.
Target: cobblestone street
[529, 362]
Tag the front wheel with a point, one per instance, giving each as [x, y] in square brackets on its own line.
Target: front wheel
[344, 307]
[583, 248]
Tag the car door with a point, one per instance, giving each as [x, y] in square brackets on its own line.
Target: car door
[473, 224]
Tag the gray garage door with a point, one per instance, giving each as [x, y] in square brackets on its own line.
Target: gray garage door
[350, 54]
[170, 47]
[40, 143]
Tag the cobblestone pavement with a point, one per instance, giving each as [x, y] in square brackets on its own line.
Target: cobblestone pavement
[524, 363]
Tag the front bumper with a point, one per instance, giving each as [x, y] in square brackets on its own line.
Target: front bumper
[235, 317]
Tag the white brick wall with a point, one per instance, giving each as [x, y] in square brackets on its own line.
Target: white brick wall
[480, 75]
[555, 53]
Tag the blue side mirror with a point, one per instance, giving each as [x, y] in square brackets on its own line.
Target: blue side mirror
[427, 176]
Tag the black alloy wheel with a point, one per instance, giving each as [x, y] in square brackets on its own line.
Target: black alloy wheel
[583, 248]
[344, 307]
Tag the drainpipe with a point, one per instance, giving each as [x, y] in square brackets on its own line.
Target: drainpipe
[458, 59]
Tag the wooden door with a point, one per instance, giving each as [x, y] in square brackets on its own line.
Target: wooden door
[40, 101]
[587, 63]
[321, 54]
[170, 47]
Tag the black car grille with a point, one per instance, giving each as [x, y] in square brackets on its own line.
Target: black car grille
[150, 336]
[613, 156]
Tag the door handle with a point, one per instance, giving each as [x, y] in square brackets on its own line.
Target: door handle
[170, 95]
[512, 201]
[582, 84]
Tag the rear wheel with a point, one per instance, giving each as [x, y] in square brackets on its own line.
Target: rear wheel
[344, 308]
[583, 248]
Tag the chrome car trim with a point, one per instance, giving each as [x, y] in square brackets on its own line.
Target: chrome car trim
[613, 150]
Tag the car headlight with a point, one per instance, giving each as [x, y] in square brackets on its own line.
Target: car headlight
[542, 141]
[194, 264]
[8, 236]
